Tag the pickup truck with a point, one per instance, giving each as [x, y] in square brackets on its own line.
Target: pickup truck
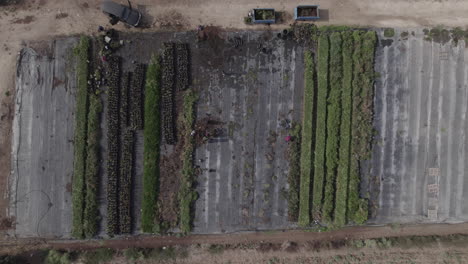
[306, 12]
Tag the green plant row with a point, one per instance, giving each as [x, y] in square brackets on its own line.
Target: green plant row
[81, 51]
[341, 197]
[363, 83]
[333, 124]
[305, 149]
[91, 210]
[187, 195]
[152, 141]
[320, 127]
[294, 176]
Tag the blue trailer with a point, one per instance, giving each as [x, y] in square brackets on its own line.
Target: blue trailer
[306, 12]
[263, 16]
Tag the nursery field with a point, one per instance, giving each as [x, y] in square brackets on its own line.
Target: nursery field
[218, 132]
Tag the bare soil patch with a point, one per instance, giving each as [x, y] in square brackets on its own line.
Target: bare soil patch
[25, 20]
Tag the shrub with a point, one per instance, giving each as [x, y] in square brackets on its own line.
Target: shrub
[81, 52]
[152, 140]
[345, 132]
[320, 134]
[187, 195]
[91, 211]
[305, 146]
[56, 257]
[333, 122]
[389, 32]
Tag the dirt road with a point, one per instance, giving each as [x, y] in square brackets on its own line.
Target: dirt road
[273, 237]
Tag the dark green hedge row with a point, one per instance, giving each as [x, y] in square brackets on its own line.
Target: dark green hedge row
[152, 142]
[321, 125]
[124, 101]
[125, 188]
[333, 124]
[167, 96]
[136, 97]
[113, 134]
[305, 149]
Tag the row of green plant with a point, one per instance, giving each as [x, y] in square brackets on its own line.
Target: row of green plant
[91, 210]
[152, 143]
[187, 195]
[306, 146]
[294, 175]
[320, 127]
[362, 129]
[345, 132]
[333, 123]
[341, 125]
[81, 51]
[86, 144]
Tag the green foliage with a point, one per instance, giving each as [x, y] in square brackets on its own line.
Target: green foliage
[56, 257]
[333, 122]
[439, 34]
[458, 34]
[91, 211]
[294, 151]
[152, 141]
[187, 195]
[307, 142]
[345, 132]
[320, 138]
[389, 32]
[81, 52]
[98, 256]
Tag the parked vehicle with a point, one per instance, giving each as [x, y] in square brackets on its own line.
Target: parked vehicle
[306, 12]
[118, 12]
[263, 16]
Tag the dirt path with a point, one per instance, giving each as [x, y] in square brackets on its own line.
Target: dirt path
[273, 237]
